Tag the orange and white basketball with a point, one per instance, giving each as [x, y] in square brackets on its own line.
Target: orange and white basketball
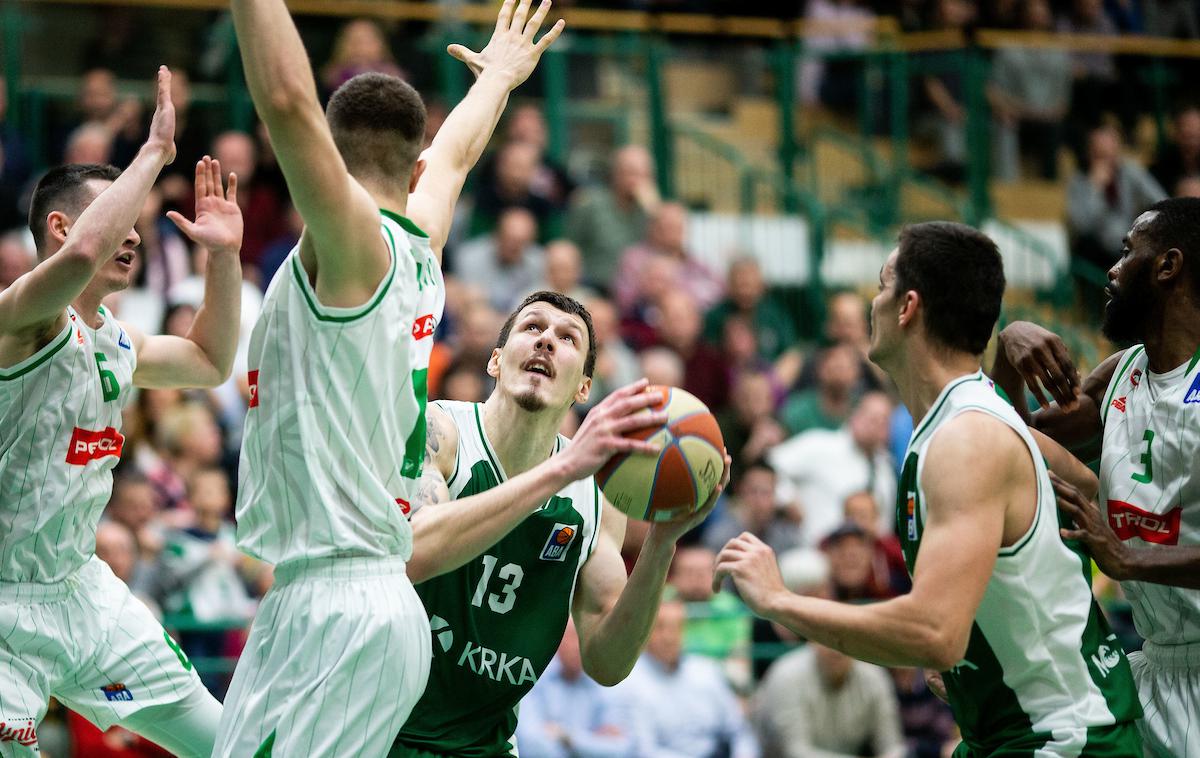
[677, 481]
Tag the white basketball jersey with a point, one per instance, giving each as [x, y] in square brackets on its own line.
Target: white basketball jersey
[1150, 483]
[60, 422]
[335, 432]
[1037, 614]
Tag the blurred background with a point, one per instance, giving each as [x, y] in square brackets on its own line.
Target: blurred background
[719, 182]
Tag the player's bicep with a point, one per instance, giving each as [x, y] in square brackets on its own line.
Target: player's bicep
[602, 578]
[441, 451]
[168, 362]
[967, 480]
[340, 217]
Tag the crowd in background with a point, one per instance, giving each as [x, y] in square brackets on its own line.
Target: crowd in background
[815, 436]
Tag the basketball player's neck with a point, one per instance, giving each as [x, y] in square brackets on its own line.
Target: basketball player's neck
[1173, 339]
[87, 305]
[387, 195]
[522, 439]
[923, 371]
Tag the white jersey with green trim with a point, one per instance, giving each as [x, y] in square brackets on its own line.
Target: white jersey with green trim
[1150, 483]
[60, 422]
[1041, 662]
[335, 432]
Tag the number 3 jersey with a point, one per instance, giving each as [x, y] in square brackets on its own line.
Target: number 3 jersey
[498, 620]
[335, 431]
[60, 422]
[1150, 483]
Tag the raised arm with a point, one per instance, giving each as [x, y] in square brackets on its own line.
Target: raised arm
[204, 358]
[968, 490]
[39, 298]
[501, 67]
[455, 532]
[614, 615]
[339, 215]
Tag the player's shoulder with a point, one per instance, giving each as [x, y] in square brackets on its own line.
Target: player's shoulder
[974, 447]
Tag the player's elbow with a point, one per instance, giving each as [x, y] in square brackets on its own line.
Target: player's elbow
[81, 253]
[942, 649]
[606, 673]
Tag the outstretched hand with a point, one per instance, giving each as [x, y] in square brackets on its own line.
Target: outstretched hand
[512, 51]
[751, 564]
[162, 125]
[218, 224]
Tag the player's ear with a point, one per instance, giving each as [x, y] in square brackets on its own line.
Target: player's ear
[908, 307]
[416, 175]
[493, 367]
[584, 391]
[58, 224]
[1168, 265]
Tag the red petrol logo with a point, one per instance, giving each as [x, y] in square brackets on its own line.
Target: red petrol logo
[21, 732]
[253, 380]
[423, 327]
[87, 446]
[1129, 521]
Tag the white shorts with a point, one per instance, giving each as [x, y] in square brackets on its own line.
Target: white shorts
[338, 656]
[1168, 683]
[88, 642]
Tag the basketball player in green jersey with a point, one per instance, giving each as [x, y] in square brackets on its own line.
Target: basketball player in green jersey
[500, 583]
[1139, 411]
[999, 603]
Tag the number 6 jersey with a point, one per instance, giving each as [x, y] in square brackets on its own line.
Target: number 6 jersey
[60, 422]
[1150, 483]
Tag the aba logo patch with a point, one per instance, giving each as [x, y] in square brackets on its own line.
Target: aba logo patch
[117, 691]
[559, 542]
[1193, 393]
[123, 341]
[911, 515]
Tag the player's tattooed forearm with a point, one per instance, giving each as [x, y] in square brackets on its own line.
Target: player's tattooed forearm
[433, 434]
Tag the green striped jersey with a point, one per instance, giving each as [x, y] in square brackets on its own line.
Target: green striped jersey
[1150, 484]
[60, 422]
[335, 432]
[1041, 659]
[497, 620]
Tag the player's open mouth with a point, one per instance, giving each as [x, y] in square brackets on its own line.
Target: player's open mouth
[539, 366]
[125, 259]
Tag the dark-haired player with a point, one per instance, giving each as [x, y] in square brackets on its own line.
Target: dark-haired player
[335, 432]
[70, 628]
[999, 603]
[530, 540]
[1142, 407]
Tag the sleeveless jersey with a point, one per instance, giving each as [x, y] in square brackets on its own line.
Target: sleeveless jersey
[60, 421]
[1150, 485]
[335, 431]
[498, 620]
[1041, 657]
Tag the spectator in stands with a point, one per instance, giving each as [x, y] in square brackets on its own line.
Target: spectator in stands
[928, 724]
[839, 374]
[89, 143]
[665, 237]
[97, 105]
[188, 439]
[258, 199]
[945, 89]
[661, 365]
[360, 47]
[1096, 85]
[747, 297]
[817, 702]
[711, 726]
[820, 468]
[506, 264]
[463, 382]
[717, 625]
[616, 364]
[512, 184]
[1107, 192]
[476, 338]
[754, 509]
[567, 714]
[136, 505]
[851, 565]
[564, 271]
[199, 571]
[679, 329]
[846, 324]
[843, 25]
[116, 546]
[639, 326]
[1030, 94]
[1180, 158]
[887, 563]
[748, 425]
[527, 123]
[16, 258]
[604, 221]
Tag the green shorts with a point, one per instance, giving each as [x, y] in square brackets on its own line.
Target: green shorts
[1116, 741]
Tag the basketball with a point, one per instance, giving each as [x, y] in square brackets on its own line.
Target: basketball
[681, 477]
